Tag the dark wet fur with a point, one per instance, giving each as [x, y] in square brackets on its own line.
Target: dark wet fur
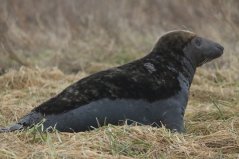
[130, 81]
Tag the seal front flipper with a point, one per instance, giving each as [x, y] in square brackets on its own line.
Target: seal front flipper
[25, 122]
[173, 120]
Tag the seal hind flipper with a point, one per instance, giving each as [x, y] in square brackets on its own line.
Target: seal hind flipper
[25, 122]
[14, 127]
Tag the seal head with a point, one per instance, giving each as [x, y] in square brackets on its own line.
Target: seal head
[186, 50]
[201, 50]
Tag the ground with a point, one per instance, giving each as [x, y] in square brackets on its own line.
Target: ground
[59, 42]
[211, 120]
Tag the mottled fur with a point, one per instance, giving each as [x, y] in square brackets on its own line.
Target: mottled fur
[130, 81]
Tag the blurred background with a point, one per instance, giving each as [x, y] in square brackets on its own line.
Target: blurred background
[89, 35]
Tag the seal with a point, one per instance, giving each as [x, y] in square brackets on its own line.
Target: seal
[152, 90]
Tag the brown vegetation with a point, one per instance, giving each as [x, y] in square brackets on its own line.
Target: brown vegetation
[212, 122]
[74, 35]
[82, 37]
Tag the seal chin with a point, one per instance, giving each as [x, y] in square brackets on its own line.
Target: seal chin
[205, 61]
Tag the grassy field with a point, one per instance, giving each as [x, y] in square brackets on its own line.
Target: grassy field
[212, 122]
[59, 42]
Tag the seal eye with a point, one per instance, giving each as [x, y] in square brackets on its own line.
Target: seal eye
[198, 42]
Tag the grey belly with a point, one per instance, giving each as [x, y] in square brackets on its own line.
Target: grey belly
[107, 111]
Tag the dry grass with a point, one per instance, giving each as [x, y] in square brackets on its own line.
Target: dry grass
[78, 36]
[212, 122]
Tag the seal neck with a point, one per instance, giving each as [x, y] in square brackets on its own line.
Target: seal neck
[174, 62]
[189, 69]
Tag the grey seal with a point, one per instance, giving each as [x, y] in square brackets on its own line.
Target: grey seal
[152, 90]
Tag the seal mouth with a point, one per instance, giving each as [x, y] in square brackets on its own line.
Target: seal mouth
[208, 59]
[220, 47]
[218, 51]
